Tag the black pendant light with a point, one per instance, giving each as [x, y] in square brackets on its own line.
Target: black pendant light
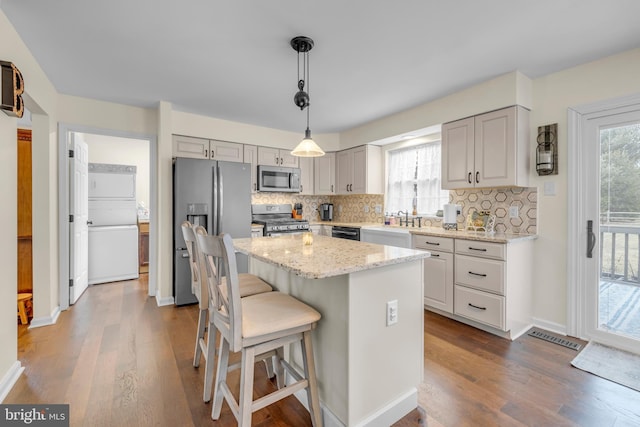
[307, 147]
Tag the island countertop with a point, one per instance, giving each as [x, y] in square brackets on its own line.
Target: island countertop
[326, 256]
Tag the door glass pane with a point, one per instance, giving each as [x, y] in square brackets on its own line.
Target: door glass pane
[619, 289]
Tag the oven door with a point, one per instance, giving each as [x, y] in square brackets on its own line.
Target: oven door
[286, 233]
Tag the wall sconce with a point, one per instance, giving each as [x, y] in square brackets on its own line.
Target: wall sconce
[547, 150]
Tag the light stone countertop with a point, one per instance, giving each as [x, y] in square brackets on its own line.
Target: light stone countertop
[326, 256]
[440, 232]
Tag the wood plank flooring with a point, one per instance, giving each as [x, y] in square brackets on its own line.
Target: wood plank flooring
[118, 360]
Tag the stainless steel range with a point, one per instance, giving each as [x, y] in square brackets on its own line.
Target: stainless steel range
[277, 220]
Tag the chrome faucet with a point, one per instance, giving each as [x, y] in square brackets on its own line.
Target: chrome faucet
[406, 217]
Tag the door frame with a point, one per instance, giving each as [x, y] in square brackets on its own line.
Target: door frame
[577, 158]
[64, 197]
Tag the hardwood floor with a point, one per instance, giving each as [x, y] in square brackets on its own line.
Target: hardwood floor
[118, 359]
[473, 378]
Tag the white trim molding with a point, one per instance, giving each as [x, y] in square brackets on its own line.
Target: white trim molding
[164, 301]
[577, 118]
[37, 322]
[9, 379]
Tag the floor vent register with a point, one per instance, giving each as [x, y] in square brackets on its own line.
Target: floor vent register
[555, 340]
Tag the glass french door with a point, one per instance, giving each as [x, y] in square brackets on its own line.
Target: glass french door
[612, 203]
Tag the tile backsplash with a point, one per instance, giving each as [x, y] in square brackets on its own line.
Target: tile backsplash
[352, 208]
[497, 201]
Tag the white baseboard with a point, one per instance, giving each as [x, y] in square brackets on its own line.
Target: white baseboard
[9, 379]
[392, 412]
[37, 322]
[384, 417]
[550, 326]
[164, 301]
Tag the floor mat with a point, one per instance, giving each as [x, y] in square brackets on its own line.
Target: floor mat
[615, 365]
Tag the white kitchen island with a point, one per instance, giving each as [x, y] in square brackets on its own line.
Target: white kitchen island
[368, 372]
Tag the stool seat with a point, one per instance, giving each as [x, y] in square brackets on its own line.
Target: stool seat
[23, 298]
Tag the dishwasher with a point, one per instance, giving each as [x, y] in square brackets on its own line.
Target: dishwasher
[350, 233]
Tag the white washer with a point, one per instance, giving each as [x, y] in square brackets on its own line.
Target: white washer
[113, 253]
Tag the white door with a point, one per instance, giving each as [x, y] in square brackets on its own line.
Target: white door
[78, 228]
[610, 198]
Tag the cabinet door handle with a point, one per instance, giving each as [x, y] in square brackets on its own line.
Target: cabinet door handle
[432, 243]
[469, 178]
[206, 155]
[332, 188]
[478, 274]
[435, 256]
[477, 177]
[477, 307]
[477, 249]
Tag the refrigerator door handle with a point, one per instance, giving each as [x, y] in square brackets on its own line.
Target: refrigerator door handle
[217, 200]
[220, 199]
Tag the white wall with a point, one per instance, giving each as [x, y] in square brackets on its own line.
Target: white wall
[606, 78]
[40, 98]
[123, 151]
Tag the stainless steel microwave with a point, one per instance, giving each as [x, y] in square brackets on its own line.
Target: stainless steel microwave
[278, 178]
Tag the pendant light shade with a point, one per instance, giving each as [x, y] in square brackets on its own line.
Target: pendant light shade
[307, 147]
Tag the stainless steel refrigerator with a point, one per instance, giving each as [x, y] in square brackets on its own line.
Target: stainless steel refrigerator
[216, 195]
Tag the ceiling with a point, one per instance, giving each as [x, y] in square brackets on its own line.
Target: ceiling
[232, 59]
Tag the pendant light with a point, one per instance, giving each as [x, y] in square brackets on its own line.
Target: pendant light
[307, 147]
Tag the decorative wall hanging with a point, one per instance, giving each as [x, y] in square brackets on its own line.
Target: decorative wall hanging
[11, 89]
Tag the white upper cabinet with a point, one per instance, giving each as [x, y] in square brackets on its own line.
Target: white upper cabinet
[251, 156]
[359, 170]
[306, 175]
[325, 174]
[487, 150]
[226, 151]
[201, 148]
[275, 157]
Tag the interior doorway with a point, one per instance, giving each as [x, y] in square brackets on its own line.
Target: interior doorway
[604, 235]
[110, 147]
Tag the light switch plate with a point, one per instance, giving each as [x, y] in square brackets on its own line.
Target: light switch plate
[550, 188]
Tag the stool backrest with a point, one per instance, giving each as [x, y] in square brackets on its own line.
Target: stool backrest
[219, 255]
[203, 301]
[190, 241]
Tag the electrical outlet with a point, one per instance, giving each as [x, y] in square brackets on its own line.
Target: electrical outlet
[378, 209]
[392, 312]
[366, 208]
[513, 212]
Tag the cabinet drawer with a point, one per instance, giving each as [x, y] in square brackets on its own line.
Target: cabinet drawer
[479, 306]
[444, 244]
[481, 249]
[479, 273]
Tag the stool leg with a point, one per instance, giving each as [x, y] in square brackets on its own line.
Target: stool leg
[221, 377]
[202, 323]
[23, 313]
[246, 387]
[310, 373]
[209, 360]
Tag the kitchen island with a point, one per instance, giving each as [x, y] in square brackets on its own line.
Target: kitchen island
[368, 370]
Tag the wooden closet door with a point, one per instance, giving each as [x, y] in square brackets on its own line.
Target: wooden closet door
[25, 263]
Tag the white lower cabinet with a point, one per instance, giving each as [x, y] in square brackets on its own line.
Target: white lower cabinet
[438, 271]
[485, 283]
